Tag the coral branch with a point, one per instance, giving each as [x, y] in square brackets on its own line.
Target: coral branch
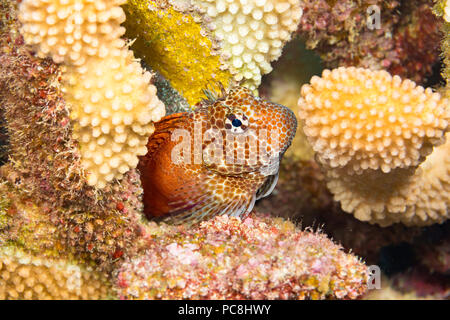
[371, 131]
[112, 104]
[196, 43]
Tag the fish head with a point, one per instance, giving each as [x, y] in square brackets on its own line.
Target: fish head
[249, 134]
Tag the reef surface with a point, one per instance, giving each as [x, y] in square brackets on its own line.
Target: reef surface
[366, 180]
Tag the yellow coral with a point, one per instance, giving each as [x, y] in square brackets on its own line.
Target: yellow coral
[112, 103]
[252, 33]
[174, 44]
[371, 133]
[24, 276]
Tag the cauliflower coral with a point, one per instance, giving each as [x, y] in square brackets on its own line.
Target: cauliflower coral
[371, 132]
[252, 33]
[112, 103]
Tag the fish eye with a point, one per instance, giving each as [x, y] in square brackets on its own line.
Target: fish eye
[236, 123]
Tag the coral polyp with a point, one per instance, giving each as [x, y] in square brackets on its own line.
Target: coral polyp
[72, 31]
[252, 33]
[24, 276]
[113, 109]
[173, 43]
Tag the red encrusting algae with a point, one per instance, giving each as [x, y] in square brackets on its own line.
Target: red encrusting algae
[261, 257]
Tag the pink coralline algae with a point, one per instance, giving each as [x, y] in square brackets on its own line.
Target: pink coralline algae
[261, 257]
[345, 33]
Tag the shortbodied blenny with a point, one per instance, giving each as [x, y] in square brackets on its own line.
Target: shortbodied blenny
[218, 159]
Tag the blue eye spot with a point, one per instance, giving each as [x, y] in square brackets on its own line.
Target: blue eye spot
[236, 123]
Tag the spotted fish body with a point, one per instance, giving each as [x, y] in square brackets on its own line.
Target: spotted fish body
[218, 159]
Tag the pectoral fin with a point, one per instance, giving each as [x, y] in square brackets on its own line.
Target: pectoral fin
[203, 201]
[268, 186]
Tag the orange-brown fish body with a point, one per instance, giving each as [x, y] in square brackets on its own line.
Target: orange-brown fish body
[218, 159]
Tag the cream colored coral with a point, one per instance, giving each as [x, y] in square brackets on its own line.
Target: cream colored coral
[447, 11]
[25, 276]
[252, 32]
[361, 119]
[414, 197]
[72, 30]
[372, 133]
[113, 106]
[112, 103]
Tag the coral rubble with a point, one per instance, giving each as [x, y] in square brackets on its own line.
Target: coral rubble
[301, 195]
[111, 102]
[371, 131]
[260, 257]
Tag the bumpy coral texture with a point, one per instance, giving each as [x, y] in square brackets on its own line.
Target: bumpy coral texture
[50, 209]
[447, 11]
[72, 31]
[359, 119]
[112, 104]
[25, 276]
[173, 42]
[252, 33]
[113, 108]
[372, 132]
[260, 257]
[417, 197]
